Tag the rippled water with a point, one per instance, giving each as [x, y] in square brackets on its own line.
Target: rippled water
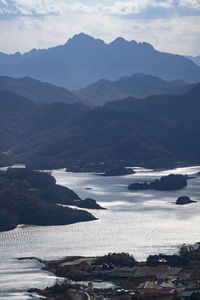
[140, 223]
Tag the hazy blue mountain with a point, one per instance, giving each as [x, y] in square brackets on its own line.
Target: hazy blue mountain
[36, 90]
[195, 59]
[137, 85]
[83, 60]
[8, 59]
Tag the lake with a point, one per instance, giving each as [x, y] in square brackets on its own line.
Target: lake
[140, 223]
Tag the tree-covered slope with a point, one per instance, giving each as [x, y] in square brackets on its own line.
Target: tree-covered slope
[37, 90]
[137, 85]
[22, 201]
[156, 131]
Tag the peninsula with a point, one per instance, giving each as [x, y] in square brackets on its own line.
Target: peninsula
[32, 198]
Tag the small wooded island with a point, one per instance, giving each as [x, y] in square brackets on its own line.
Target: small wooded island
[105, 168]
[166, 183]
[184, 200]
[118, 171]
[32, 198]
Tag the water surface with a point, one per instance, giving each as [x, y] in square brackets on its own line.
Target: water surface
[140, 223]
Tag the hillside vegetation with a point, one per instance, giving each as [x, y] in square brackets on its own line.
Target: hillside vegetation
[157, 131]
[23, 201]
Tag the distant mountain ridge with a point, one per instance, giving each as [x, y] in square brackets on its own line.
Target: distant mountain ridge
[36, 90]
[83, 60]
[98, 93]
[137, 85]
[195, 59]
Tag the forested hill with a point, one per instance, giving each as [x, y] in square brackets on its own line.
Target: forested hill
[98, 93]
[31, 198]
[137, 85]
[37, 90]
[156, 131]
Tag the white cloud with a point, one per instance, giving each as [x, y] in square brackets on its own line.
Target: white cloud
[125, 8]
[4, 2]
[111, 7]
[30, 7]
[195, 4]
[45, 7]
[79, 7]
[135, 7]
[121, 8]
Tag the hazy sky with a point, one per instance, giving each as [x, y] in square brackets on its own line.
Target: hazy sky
[169, 25]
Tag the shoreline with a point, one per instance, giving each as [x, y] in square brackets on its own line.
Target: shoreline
[171, 166]
[166, 275]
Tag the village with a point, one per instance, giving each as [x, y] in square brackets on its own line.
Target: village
[120, 276]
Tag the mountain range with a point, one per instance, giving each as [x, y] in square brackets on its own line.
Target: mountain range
[98, 93]
[153, 122]
[84, 60]
[157, 131]
[37, 90]
[137, 85]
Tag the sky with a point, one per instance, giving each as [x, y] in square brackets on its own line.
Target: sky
[169, 25]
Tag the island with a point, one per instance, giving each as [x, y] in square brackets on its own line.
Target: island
[118, 171]
[170, 182]
[161, 276]
[182, 200]
[105, 168]
[33, 198]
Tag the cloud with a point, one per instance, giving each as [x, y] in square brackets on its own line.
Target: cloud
[138, 8]
[126, 8]
[195, 4]
[29, 7]
[120, 8]
[82, 8]
[3, 2]
[135, 7]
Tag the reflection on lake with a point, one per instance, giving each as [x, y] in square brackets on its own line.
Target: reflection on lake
[140, 223]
